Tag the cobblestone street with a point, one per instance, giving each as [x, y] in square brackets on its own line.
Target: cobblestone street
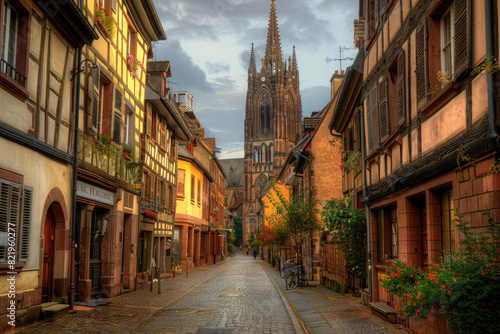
[238, 295]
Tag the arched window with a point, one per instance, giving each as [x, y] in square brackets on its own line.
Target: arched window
[256, 154]
[265, 115]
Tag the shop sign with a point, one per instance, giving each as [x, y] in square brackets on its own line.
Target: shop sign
[98, 194]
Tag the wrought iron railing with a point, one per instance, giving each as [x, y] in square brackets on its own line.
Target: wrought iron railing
[8, 69]
[105, 158]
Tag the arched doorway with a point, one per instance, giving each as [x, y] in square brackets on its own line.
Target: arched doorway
[48, 256]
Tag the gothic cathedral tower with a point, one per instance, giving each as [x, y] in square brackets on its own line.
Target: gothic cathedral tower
[272, 122]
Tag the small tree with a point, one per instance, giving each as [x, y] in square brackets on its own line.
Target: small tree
[347, 225]
[295, 219]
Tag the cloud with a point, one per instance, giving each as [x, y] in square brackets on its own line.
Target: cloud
[185, 73]
[217, 67]
[209, 45]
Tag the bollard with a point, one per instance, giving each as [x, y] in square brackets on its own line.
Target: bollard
[159, 280]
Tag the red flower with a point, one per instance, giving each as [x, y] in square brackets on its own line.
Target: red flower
[107, 14]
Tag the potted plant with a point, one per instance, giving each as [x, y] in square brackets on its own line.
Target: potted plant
[133, 64]
[105, 23]
[127, 152]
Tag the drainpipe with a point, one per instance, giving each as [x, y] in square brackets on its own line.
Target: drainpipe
[361, 123]
[75, 172]
[310, 236]
[490, 53]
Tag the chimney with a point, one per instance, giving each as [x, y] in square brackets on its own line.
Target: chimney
[336, 82]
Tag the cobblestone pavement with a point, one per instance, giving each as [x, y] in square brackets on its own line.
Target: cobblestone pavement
[238, 295]
[242, 299]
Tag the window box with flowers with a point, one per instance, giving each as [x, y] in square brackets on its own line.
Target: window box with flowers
[134, 65]
[105, 23]
[128, 154]
[350, 160]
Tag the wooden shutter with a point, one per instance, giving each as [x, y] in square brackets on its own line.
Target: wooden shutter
[152, 185]
[401, 89]
[462, 54]
[373, 134]
[10, 196]
[163, 136]
[149, 121]
[421, 59]
[383, 110]
[24, 229]
[118, 116]
[117, 128]
[358, 132]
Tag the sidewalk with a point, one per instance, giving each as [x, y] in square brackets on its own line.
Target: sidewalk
[323, 311]
[129, 312]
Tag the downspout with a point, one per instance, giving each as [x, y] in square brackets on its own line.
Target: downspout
[365, 199]
[310, 236]
[75, 173]
[491, 91]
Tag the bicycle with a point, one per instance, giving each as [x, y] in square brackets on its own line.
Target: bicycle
[285, 269]
[297, 277]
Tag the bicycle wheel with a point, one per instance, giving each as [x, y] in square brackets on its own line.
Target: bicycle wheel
[282, 272]
[292, 281]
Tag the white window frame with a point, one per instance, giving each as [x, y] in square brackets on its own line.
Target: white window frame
[450, 45]
[7, 33]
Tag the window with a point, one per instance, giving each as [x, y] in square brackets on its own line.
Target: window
[447, 41]
[387, 234]
[14, 29]
[198, 197]
[180, 183]
[131, 41]
[448, 44]
[447, 222]
[15, 215]
[170, 198]
[128, 126]
[265, 115]
[193, 180]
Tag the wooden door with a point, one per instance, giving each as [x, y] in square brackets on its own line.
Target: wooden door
[48, 257]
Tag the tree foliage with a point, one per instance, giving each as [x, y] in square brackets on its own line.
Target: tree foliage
[347, 225]
[238, 235]
[295, 219]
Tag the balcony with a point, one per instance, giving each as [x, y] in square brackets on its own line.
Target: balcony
[106, 158]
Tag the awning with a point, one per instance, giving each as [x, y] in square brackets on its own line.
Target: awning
[150, 214]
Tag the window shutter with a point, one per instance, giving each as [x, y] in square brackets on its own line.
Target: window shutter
[4, 215]
[192, 188]
[163, 136]
[117, 128]
[10, 196]
[149, 120]
[383, 110]
[401, 89]
[24, 229]
[350, 144]
[152, 189]
[358, 133]
[158, 189]
[118, 116]
[373, 135]
[462, 37]
[421, 65]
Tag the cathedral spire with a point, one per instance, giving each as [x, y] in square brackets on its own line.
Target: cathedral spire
[273, 57]
[252, 70]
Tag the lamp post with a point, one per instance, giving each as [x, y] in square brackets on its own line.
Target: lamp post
[82, 65]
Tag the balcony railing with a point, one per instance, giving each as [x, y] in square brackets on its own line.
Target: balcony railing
[8, 69]
[105, 158]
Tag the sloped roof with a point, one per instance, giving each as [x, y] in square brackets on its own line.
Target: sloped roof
[234, 171]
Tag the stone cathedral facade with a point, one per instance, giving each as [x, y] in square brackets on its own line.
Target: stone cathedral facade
[273, 121]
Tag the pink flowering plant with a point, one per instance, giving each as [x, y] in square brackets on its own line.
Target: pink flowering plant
[463, 285]
[133, 64]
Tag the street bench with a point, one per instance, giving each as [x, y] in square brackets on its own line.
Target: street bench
[386, 312]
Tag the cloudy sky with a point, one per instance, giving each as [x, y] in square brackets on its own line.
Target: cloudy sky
[209, 42]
